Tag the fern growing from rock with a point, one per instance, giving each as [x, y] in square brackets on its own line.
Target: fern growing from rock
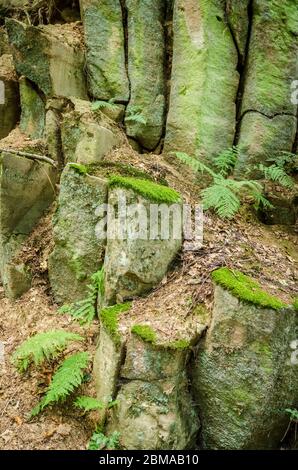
[84, 311]
[224, 194]
[42, 347]
[66, 379]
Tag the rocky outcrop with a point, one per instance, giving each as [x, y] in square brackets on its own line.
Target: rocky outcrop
[270, 70]
[243, 378]
[78, 253]
[50, 56]
[9, 96]
[27, 189]
[146, 69]
[87, 136]
[104, 38]
[33, 110]
[135, 263]
[204, 80]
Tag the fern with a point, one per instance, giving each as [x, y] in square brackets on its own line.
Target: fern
[293, 414]
[84, 311]
[224, 194]
[88, 403]
[42, 347]
[226, 160]
[134, 114]
[68, 377]
[277, 174]
[103, 104]
[99, 441]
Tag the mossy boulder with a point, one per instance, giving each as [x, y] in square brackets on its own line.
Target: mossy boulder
[50, 59]
[261, 137]
[9, 96]
[87, 136]
[78, 253]
[146, 68]
[27, 189]
[105, 56]
[202, 110]
[136, 262]
[155, 409]
[243, 379]
[33, 109]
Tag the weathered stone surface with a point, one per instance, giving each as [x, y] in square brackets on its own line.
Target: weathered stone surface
[202, 111]
[27, 189]
[33, 110]
[10, 108]
[104, 37]
[53, 135]
[77, 254]
[261, 138]
[87, 136]
[52, 60]
[4, 45]
[133, 266]
[272, 59]
[106, 368]
[146, 69]
[243, 377]
[237, 15]
[154, 412]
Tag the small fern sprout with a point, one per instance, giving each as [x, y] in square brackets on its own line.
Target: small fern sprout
[100, 104]
[84, 311]
[66, 379]
[88, 403]
[42, 347]
[226, 160]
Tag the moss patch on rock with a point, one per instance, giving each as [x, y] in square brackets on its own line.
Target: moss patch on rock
[178, 345]
[147, 189]
[110, 316]
[145, 332]
[245, 288]
[295, 304]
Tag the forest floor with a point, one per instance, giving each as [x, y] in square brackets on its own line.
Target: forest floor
[267, 253]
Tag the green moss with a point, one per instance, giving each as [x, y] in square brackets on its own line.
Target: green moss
[147, 189]
[295, 304]
[109, 317]
[245, 288]
[179, 344]
[145, 332]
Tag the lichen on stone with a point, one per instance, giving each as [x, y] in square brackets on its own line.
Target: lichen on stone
[147, 189]
[245, 288]
[110, 316]
[145, 332]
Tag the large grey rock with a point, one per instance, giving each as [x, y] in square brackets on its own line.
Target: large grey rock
[33, 110]
[27, 189]
[202, 111]
[9, 96]
[78, 253]
[154, 411]
[87, 136]
[261, 138]
[243, 376]
[49, 56]
[146, 68]
[135, 264]
[104, 37]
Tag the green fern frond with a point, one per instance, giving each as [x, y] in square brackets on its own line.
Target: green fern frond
[88, 403]
[226, 160]
[42, 347]
[68, 377]
[103, 104]
[220, 198]
[139, 118]
[195, 164]
[84, 311]
[278, 175]
[99, 441]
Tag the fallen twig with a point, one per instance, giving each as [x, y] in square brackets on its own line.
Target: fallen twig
[31, 156]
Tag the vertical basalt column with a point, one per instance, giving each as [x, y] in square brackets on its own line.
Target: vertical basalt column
[202, 111]
[105, 45]
[146, 68]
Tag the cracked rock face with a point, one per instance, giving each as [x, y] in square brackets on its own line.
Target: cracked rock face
[134, 266]
[243, 376]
